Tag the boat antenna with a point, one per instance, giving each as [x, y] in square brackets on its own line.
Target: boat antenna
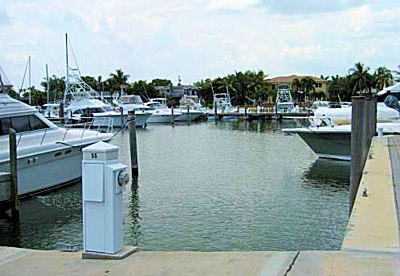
[30, 77]
[2, 86]
[23, 79]
[66, 69]
[47, 80]
[145, 96]
[73, 54]
[212, 89]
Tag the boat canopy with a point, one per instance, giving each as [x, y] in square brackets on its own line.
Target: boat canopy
[393, 89]
[10, 106]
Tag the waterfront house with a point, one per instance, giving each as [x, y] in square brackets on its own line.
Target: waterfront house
[321, 86]
[177, 91]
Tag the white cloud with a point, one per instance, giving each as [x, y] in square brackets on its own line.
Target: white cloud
[199, 38]
[232, 4]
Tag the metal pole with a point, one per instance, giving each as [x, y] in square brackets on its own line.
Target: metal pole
[132, 143]
[66, 68]
[14, 175]
[356, 146]
[48, 85]
[30, 77]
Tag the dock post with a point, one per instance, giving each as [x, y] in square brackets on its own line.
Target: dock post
[188, 114]
[132, 142]
[172, 116]
[122, 117]
[61, 113]
[216, 113]
[14, 175]
[356, 166]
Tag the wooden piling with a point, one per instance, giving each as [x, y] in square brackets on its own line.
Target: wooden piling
[61, 113]
[122, 117]
[14, 175]
[132, 143]
[216, 112]
[188, 114]
[172, 116]
[357, 144]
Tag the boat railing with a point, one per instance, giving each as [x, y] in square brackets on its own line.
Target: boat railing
[105, 125]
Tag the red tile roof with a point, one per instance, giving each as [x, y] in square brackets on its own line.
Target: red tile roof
[289, 79]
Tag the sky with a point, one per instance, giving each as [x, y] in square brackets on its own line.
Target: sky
[198, 39]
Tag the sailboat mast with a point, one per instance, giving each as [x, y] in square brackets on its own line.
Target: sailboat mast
[48, 86]
[66, 67]
[30, 77]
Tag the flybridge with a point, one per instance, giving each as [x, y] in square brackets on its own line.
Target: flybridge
[75, 88]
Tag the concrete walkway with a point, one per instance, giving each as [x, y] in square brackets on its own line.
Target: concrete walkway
[370, 246]
[15, 261]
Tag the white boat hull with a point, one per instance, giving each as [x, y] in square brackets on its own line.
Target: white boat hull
[184, 117]
[115, 119]
[162, 118]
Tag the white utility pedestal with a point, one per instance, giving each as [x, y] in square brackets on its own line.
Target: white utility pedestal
[103, 180]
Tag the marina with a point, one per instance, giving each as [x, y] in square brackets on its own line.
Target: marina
[199, 138]
[192, 195]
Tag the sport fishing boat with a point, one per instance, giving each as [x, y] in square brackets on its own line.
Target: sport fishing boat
[83, 103]
[51, 111]
[333, 141]
[47, 155]
[190, 109]
[160, 111]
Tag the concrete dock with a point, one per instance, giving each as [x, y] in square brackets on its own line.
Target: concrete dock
[370, 247]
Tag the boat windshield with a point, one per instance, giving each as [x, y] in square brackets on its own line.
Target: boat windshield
[130, 100]
[107, 108]
[21, 124]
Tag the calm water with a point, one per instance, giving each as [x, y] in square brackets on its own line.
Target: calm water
[234, 186]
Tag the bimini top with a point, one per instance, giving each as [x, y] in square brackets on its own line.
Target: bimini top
[393, 89]
[10, 106]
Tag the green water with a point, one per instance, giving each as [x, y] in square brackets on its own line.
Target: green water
[231, 186]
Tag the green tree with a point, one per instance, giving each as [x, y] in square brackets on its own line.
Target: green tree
[382, 78]
[397, 74]
[297, 90]
[360, 79]
[339, 87]
[308, 84]
[161, 82]
[116, 79]
[57, 88]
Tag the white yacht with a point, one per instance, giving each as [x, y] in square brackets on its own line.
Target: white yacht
[47, 156]
[190, 109]
[134, 103]
[333, 141]
[342, 114]
[51, 111]
[160, 111]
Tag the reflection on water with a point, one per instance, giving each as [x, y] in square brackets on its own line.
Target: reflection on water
[328, 174]
[225, 186]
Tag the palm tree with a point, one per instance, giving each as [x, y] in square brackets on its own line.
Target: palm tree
[117, 79]
[308, 85]
[397, 73]
[382, 78]
[297, 89]
[360, 79]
